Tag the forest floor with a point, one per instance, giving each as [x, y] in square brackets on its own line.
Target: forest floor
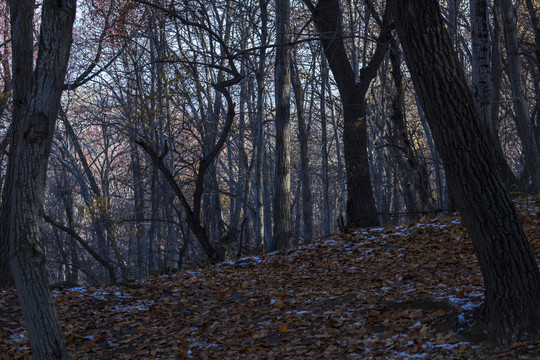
[396, 292]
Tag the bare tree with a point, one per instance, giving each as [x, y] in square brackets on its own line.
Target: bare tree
[282, 198]
[523, 125]
[37, 93]
[361, 209]
[511, 275]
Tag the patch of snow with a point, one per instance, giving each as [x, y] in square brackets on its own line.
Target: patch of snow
[20, 337]
[79, 289]
[139, 306]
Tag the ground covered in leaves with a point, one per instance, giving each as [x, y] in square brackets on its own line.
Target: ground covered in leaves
[397, 292]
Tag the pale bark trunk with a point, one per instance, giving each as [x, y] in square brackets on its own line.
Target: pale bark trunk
[260, 143]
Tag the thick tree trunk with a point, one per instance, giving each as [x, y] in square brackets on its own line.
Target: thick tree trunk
[28, 174]
[511, 276]
[22, 38]
[282, 198]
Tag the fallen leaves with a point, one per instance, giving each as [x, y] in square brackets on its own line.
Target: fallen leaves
[393, 292]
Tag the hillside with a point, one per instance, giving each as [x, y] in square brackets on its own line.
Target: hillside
[396, 292]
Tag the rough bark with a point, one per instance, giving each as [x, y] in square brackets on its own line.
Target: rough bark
[511, 275]
[22, 38]
[37, 114]
[282, 198]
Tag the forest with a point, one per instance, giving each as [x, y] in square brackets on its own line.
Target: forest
[146, 138]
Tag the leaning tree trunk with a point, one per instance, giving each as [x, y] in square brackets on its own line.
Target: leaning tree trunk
[28, 174]
[511, 276]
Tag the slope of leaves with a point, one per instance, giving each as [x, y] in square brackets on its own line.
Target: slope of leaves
[396, 292]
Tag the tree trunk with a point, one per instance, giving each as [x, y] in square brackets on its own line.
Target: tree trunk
[28, 174]
[282, 198]
[481, 83]
[408, 165]
[22, 38]
[259, 147]
[324, 151]
[535, 22]
[361, 209]
[526, 135]
[307, 203]
[511, 276]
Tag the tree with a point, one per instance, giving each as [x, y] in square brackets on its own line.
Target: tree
[523, 125]
[212, 145]
[307, 203]
[282, 198]
[481, 83]
[260, 133]
[361, 210]
[511, 276]
[37, 93]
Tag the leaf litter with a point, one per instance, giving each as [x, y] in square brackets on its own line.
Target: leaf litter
[394, 292]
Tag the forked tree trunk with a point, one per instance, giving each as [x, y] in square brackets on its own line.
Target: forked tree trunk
[511, 276]
[27, 175]
[361, 209]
